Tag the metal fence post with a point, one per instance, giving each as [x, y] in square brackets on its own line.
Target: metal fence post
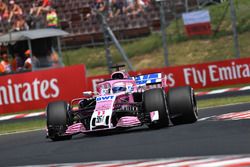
[115, 41]
[234, 28]
[163, 30]
[107, 49]
[186, 6]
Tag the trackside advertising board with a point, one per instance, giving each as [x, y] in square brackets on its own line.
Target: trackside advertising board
[197, 23]
[33, 90]
[229, 72]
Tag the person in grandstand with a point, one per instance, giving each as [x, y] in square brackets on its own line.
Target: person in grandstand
[52, 19]
[129, 4]
[146, 2]
[17, 62]
[5, 63]
[4, 12]
[45, 7]
[33, 20]
[138, 7]
[134, 7]
[20, 24]
[1, 69]
[15, 10]
[100, 5]
[34, 6]
[28, 62]
[116, 8]
[97, 6]
[14, 64]
[54, 58]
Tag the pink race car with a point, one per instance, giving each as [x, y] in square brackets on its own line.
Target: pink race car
[122, 102]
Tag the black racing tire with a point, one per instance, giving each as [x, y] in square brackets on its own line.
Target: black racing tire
[154, 100]
[57, 120]
[182, 105]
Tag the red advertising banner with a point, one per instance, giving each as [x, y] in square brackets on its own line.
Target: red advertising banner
[198, 29]
[33, 90]
[214, 74]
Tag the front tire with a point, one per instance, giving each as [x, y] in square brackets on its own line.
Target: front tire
[182, 105]
[154, 100]
[57, 120]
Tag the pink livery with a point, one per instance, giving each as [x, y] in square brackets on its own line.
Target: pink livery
[120, 102]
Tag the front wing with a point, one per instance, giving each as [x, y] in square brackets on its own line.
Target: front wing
[124, 122]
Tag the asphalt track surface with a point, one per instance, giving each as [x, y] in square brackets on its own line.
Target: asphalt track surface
[203, 138]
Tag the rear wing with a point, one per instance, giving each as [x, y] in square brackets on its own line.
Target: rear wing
[151, 79]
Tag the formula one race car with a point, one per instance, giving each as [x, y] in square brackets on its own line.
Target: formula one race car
[122, 102]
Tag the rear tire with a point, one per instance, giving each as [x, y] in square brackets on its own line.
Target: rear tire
[154, 100]
[58, 120]
[182, 105]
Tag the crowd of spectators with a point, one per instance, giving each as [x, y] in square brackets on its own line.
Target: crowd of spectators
[113, 8]
[18, 19]
[12, 14]
[41, 10]
[14, 64]
[6, 65]
[22, 62]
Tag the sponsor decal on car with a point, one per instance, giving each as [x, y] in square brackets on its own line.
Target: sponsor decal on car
[100, 117]
[105, 98]
[154, 116]
[148, 79]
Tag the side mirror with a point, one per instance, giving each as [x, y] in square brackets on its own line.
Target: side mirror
[89, 93]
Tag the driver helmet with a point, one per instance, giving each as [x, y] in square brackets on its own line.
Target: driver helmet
[119, 87]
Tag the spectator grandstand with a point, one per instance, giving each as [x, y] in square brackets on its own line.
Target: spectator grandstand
[87, 30]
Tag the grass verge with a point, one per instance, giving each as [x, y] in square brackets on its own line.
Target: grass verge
[20, 126]
[223, 101]
[148, 53]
